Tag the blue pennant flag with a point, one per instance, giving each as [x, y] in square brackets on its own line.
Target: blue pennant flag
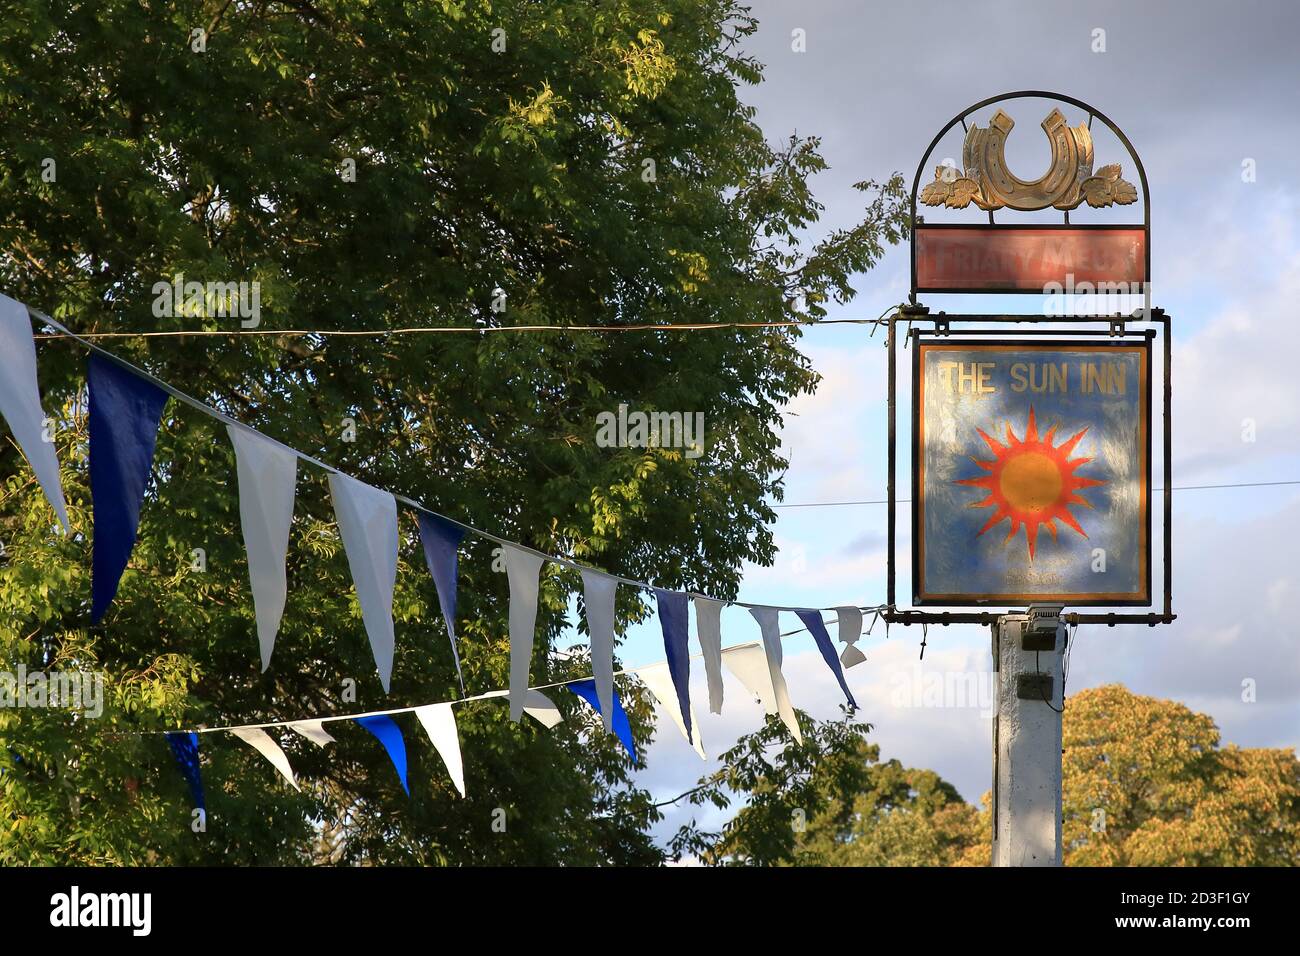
[817, 628]
[586, 689]
[185, 748]
[124, 414]
[441, 539]
[389, 734]
[673, 619]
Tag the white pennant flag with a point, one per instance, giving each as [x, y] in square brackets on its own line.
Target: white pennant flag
[267, 474]
[850, 629]
[440, 724]
[768, 622]
[536, 705]
[708, 625]
[264, 744]
[659, 680]
[20, 401]
[523, 569]
[598, 591]
[313, 730]
[542, 709]
[748, 663]
[368, 522]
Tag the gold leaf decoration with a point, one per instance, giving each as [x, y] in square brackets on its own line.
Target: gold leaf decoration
[1108, 188]
[963, 191]
[955, 192]
[936, 193]
[1124, 192]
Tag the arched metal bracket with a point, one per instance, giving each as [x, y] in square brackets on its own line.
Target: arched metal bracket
[1070, 181]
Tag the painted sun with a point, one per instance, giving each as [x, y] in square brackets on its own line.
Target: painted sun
[1031, 482]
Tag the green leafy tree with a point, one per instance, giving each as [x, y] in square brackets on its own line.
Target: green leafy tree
[827, 801]
[784, 784]
[903, 817]
[376, 166]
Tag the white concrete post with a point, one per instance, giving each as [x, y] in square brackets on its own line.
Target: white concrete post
[1026, 748]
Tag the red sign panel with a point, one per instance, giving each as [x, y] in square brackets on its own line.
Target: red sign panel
[994, 258]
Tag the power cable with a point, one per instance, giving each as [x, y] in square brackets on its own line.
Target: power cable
[452, 329]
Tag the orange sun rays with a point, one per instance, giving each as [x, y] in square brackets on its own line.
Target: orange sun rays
[1031, 482]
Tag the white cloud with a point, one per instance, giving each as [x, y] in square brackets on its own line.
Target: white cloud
[825, 434]
[1236, 391]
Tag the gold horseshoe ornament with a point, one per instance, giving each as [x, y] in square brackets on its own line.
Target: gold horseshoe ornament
[1068, 182]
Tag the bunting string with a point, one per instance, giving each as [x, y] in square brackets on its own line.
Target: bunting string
[203, 407]
[486, 695]
[126, 405]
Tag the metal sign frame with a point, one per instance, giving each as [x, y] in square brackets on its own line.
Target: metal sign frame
[1118, 328]
[1143, 598]
[1040, 325]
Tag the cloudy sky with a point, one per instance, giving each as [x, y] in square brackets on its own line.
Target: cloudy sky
[1200, 89]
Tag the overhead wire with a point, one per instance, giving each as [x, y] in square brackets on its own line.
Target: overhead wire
[885, 501]
[454, 329]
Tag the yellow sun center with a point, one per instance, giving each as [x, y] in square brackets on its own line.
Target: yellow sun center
[1030, 481]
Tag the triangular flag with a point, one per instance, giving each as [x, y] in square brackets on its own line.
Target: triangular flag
[767, 618]
[20, 401]
[536, 705]
[264, 744]
[440, 724]
[441, 539]
[124, 414]
[673, 616]
[817, 628]
[586, 689]
[850, 624]
[387, 732]
[708, 628]
[268, 472]
[542, 709]
[368, 522]
[660, 681]
[748, 662]
[598, 591]
[523, 569]
[850, 629]
[185, 748]
[313, 730]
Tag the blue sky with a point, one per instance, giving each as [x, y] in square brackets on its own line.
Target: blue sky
[1200, 89]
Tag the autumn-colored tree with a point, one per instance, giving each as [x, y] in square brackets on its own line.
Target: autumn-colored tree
[1145, 783]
